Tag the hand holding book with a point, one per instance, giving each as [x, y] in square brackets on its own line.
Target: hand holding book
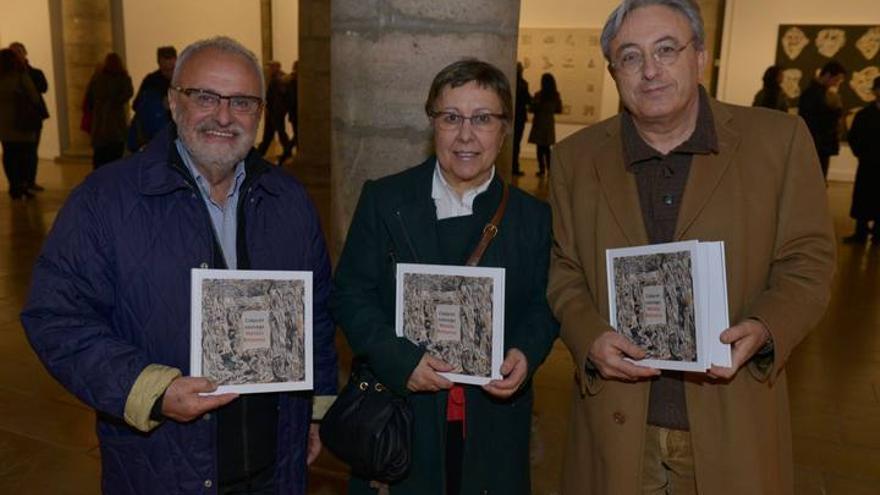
[746, 339]
[609, 355]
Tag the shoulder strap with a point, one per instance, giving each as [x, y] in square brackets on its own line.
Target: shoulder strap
[491, 228]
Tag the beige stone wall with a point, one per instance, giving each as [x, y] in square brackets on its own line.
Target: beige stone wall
[385, 54]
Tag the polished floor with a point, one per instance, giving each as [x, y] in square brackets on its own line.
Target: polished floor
[47, 443]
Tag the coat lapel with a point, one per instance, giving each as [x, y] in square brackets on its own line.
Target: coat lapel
[707, 171]
[412, 222]
[619, 188]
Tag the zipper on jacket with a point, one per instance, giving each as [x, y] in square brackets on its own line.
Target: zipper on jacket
[409, 243]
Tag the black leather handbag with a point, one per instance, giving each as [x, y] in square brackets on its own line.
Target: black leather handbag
[369, 428]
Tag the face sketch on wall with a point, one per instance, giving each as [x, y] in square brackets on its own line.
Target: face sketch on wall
[793, 42]
[869, 43]
[862, 81]
[791, 82]
[830, 41]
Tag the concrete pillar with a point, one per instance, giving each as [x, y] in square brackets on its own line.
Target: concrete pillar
[313, 93]
[384, 55]
[84, 31]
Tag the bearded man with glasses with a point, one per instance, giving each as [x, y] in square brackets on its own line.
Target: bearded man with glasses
[109, 312]
[678, 165]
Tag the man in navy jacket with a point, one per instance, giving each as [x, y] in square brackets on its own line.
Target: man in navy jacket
[109, 310]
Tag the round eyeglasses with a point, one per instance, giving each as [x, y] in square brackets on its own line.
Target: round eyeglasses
[632, 60]
[209, 100]
[480, 122]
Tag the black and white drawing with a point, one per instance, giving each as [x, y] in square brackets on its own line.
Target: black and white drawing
[803, 49]
[455, 314]
[655, 304]
[252, 330]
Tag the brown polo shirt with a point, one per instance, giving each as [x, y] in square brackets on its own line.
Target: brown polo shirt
[661, 181]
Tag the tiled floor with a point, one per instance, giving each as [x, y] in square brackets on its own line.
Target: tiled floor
[47, 444]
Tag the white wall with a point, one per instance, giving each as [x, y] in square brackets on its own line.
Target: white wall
[285, 32]
[569, 14]
[749, 47]
[27, 21]
[154, 23]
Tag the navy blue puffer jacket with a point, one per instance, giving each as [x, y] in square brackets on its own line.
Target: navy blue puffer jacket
[111, 295]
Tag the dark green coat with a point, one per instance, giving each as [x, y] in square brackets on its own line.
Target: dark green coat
[395, 221]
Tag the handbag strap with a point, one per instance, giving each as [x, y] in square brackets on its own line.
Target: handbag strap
[491, 228]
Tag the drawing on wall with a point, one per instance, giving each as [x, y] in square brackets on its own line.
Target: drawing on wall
[574, 57]
[803, 49]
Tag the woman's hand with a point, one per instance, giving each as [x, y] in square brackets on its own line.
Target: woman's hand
[513, 369]
[425, 378]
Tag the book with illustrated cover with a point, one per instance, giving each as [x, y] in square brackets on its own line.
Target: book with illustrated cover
[252, 329]
[456, 313]
[671, 300]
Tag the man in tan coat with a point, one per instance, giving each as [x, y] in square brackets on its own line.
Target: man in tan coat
[678, 165]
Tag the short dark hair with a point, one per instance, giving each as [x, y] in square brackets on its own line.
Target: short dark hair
[468, 70]
[833, 68]
[166, 52]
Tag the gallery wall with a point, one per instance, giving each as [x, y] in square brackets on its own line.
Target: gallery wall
[174, 22]
[28, 22]
[749, 47]
[285, 32]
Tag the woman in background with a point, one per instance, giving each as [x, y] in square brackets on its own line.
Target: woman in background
[545, 104]
[771, 95]
[109, 92]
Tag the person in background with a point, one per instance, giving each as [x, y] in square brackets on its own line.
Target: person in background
[276, 109]
[678, 165]
[864, 140]
[467, 439]
[19, 141]
[770, 95]
[108, 93]
[109, 307]
[520, 115]
[150, 105]
[292, 108]
[545, 105]
[821, 108]
[42, 86]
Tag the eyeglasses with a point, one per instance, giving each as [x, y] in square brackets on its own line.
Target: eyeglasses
[480, 122]
[632, 59]
[209, 100]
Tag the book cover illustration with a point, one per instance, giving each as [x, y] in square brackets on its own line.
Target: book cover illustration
[455, 314]
[252, 330]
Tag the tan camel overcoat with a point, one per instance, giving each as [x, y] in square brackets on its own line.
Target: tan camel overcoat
[763, 195]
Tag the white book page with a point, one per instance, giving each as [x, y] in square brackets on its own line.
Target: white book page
[719, 319]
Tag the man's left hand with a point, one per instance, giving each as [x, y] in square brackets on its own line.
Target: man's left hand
[314, 443]
[513, 369]
[746, 338]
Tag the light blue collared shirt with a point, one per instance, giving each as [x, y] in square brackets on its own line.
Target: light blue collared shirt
[223, 218]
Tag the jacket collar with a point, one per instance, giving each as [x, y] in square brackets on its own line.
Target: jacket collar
[162, 170]
[621, 192]
[413, 221]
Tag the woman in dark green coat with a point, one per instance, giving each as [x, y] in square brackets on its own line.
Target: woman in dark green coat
[467, 439]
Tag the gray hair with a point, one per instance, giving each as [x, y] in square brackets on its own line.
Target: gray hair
[688, 8]
[223, 44]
